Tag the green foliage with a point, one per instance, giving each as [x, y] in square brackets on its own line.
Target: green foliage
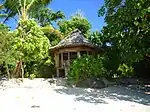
[23, 7]
[31, 43]
[32, 76]
[32, 67]
[46, 16]
[26, 75]
[96, 38]
[85, 67]
[52, 34]
[111, 62]
[125, 70]
[127, 27]
[7, 53]
[3, 27]
[27, 43]
[47, 71]
[142, 68]
[41, 68]
[76, 22]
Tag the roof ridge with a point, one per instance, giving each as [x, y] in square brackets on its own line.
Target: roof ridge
[74, 31]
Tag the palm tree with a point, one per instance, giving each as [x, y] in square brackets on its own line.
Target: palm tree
[23, 7]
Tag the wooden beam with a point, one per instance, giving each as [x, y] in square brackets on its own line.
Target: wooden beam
[76, 49]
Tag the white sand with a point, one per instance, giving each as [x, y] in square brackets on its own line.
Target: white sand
[51, 98]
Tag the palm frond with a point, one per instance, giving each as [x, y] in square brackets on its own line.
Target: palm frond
[13, 6]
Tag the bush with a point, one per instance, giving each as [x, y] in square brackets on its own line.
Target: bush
[43, 68]
[84, 68]
[125, 71]
[32, 76]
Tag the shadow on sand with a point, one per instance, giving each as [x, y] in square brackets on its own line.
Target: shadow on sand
[100, 95]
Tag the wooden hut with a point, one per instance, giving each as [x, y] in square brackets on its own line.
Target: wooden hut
[73, 46]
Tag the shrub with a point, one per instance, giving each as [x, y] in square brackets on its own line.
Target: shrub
[125, 70]
[43, 68]
[26, 75]
[32, 76]
[85, 67]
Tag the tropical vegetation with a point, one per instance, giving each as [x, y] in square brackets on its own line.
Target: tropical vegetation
[125, 39]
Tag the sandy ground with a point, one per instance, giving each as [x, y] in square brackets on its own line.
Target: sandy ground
[39, 96]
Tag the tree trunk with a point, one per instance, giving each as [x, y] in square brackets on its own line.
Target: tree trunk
[7, 70]
[16, 71]
[19, 71]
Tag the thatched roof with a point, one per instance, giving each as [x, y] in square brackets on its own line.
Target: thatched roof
[76, 38]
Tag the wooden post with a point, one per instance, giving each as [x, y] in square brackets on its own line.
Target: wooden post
[61, 60]
[69, 58]
[78, 54]
[92, 53]
[57, 72]
[68, 64]
[57, 64]
[57, 60]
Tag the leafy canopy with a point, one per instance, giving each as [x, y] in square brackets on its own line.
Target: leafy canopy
[52, 34]
[31, 42]
[96, 37]
[7, 53]
[45, 16]
[76, 22]
[128, 27]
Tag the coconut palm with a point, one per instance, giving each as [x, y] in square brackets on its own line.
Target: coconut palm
[23, 7]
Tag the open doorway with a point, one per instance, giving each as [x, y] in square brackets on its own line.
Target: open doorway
[62, 73]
